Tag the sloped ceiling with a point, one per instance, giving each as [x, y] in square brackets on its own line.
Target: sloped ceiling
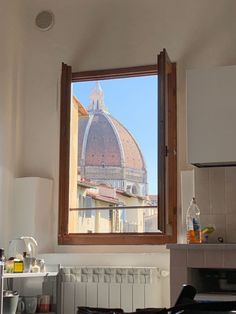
[107, 33]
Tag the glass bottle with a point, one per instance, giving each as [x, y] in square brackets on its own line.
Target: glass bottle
[2, 255]
[2, 258]
[193, 226]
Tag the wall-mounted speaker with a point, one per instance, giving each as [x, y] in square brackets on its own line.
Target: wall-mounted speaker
[44, 20]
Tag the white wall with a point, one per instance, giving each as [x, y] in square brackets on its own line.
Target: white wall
[96, 35]
[89, 35]
[11, 93]
[86, 36]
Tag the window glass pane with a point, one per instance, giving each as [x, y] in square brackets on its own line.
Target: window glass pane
[113, 156]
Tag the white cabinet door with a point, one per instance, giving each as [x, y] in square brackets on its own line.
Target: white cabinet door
[211, 115]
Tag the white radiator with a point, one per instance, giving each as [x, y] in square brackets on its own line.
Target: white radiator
[126, 288]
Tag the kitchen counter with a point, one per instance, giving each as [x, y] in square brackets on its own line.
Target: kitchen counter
[202, 246]
[185, 257]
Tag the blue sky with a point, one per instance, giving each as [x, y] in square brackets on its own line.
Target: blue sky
[133, 102]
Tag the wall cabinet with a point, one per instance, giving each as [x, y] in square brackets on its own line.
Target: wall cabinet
[211, 115]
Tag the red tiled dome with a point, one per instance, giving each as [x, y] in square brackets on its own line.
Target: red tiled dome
[103, 141]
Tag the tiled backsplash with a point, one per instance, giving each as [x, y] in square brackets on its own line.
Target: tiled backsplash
[215, 191]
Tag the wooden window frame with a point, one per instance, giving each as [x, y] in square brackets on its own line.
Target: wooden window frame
[167, 156]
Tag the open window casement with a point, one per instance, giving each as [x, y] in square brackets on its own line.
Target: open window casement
[71, 109]
[167, 165]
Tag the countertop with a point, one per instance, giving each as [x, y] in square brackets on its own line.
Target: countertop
[202, 246]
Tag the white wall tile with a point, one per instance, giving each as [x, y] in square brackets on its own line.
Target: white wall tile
[217, 190]
[206, 220]
[210, 191]
[231, 228]
[187, 193]
[218, 222]
[202, 189]
[230, 190]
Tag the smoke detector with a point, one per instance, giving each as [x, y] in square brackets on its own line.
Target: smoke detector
[44, 20]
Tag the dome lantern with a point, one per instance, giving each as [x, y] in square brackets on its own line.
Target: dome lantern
[97, 99]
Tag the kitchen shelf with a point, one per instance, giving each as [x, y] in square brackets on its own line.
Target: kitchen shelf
[30, 275]
[19, 275]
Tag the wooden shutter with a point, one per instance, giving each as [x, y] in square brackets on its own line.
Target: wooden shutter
[167, 166]
[66, 79]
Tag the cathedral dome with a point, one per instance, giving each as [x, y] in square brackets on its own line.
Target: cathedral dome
[108, 152]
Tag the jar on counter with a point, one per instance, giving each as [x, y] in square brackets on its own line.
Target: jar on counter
[41, 264]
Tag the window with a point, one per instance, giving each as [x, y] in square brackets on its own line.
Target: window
[95, 207]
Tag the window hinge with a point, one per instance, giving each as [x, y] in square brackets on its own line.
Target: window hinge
[169, 151]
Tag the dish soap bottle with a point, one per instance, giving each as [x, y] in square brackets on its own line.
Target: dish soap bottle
[193, 223]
